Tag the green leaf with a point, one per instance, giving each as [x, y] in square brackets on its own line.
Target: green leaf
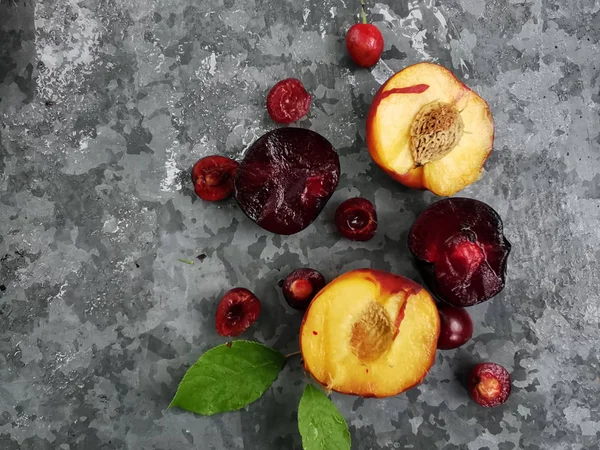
[228, 377]
[321, 425]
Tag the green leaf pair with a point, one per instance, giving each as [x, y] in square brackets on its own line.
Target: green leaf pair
[233, 375]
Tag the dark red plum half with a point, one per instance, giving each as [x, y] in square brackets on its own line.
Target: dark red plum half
[460, 250]
[286, 178]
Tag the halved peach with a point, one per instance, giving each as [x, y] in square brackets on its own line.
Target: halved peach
[428, 130]
[370, 333]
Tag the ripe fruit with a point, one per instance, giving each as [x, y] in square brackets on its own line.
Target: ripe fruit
[356, 219]
[456, 327]
[370, 333]
[460, 250]
[238, 309]
[489, 384]
[213, 177]
[428, 130]
[286, 178]
[364, 42]
[288, 101]
[301, 286]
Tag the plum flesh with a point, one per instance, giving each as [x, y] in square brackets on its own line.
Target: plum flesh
[460, 250]
[286, 178]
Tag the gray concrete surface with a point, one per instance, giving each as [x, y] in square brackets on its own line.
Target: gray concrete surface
[106, 104]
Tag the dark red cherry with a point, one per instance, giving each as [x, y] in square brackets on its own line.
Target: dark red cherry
[456, 327]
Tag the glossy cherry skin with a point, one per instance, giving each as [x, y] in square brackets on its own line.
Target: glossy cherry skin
[365, 43]
[301, 286]
[456, 327]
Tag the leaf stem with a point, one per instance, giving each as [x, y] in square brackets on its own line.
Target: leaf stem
[186, 261]
[289, 355]
[363, 11]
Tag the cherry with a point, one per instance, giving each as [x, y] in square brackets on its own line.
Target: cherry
[489, 384]
[456, 327]
[356, 219]
[213, 177]
[288, 101]
[301, 286]
[238, 309]
[364, 42]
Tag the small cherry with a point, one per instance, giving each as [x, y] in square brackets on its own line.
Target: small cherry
[238, 309]
[489, 384]
[364, 41]
[213, 177]
[456, 327]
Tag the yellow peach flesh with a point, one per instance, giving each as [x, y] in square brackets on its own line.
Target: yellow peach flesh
[390, 123]
[358, 305]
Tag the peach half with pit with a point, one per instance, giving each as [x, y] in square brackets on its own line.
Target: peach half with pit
[429, 131]
[370, 333]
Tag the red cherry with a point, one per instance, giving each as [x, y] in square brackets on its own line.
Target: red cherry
[489, 384]
[213, 177]
[456, 327]
[238, 309]
[356, 219]
[288, 101]
[364, 42]
[301, 286]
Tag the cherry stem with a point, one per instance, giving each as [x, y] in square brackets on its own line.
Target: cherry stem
[289, 355]
[363, 12]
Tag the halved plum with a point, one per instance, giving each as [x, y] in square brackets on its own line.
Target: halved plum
[460, 250]
[286, 178]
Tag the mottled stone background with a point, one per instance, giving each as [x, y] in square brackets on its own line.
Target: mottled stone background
[106, 104]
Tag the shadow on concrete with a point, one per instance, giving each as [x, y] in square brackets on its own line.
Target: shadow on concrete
[17, 51]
